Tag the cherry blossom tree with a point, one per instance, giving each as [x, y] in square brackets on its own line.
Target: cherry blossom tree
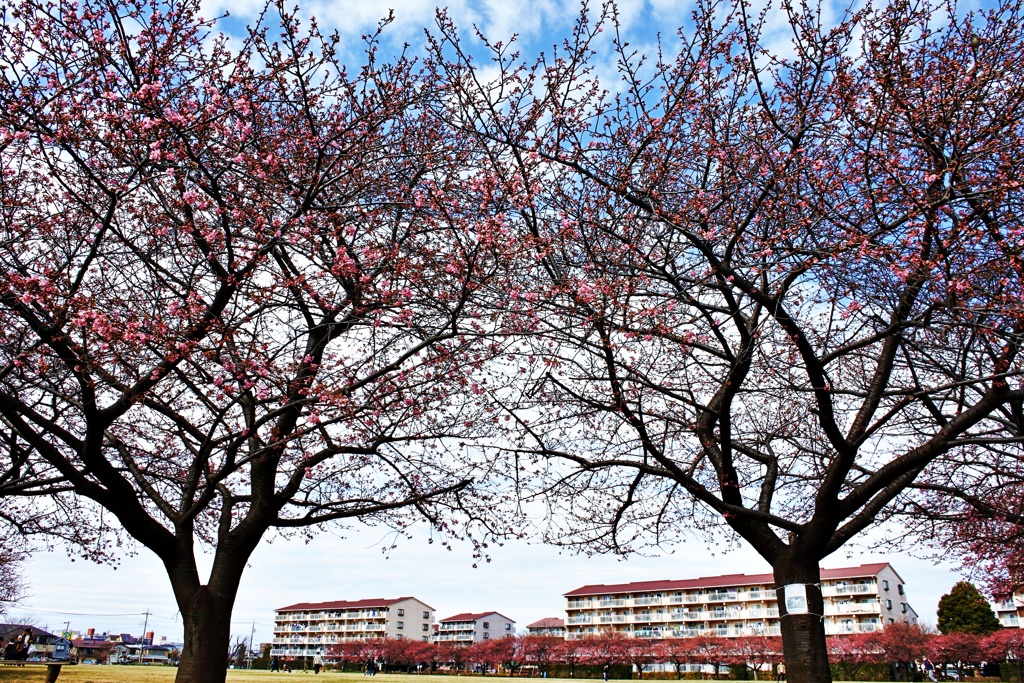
[957, 649]
[494, 653]
[540, 651]
[452, 653]
[571, 652]
[780, 278]
[405, 653]
[605, 649]
[901, 645]
[679, 651]
[755, 653]
[640, 653]
[711, 651]
[851, 652]
[244, 290]
[1006, 645]
[985, 527]
[343, 653]
[12, 555]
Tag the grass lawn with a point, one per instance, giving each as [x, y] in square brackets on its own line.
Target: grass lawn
[165, 674]
[98, 673]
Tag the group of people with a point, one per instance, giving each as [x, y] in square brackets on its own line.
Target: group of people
[18, 648]
[277, 665]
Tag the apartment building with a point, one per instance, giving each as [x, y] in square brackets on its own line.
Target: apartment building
[548, 626]
[1011, 611]
[857, 600]
[310, 627]
[473, 628]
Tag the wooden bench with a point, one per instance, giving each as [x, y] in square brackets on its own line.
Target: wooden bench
[52, 668]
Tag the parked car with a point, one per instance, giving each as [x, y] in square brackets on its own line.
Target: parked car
[951, 673]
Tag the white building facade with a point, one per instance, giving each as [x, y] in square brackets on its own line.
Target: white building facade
[857, 600]
[468, 628]
[308, 628]
[1011, 611]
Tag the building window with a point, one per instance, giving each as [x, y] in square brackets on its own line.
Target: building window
[903, 607]
[885, 584]
[508, 627]
[425, 639]
[398, 637]
[400, 624]
[487, 636]
[401, 612]
[425, 627]
[426, 615]
[899, 588]
[487, 624]
[888, 604]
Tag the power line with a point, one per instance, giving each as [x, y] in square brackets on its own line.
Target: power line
[85, 614]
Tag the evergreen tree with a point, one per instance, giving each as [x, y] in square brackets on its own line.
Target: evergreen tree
[965, 610]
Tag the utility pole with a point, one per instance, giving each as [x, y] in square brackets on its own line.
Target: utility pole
[142, 648]
[248, 655]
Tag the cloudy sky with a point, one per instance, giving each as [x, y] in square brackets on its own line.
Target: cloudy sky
[524, 582]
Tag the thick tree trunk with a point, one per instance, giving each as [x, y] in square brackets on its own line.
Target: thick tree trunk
[206, 608]
[207, 621]
[803, 635]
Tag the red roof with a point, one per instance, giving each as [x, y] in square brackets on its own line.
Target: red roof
[548, 622]
[723, 581]
[467, 616]
[344, 604]
[92, 643]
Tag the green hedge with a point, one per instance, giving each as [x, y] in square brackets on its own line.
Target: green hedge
[1008, 671]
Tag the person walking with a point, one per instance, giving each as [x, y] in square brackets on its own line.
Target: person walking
[780, 673]
[929, 670]
[605, 672]
[318, 662]
[275, 665]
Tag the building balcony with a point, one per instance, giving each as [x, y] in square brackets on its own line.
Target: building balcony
[850, 589]
[721, 595]
[685, 616]
[612, 619]
[641, 602]
[579, 604]
[649, 617]
[839, 629]
[648, 633]
[682, 632]
[855, 608]
[613, 602]
[581, 619]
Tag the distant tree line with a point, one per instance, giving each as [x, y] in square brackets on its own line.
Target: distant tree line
[895, 653]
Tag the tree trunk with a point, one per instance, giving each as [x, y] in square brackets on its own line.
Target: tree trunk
[207, 637]
[803, 635]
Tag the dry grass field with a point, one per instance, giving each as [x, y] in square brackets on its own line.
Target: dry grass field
[165, 674]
